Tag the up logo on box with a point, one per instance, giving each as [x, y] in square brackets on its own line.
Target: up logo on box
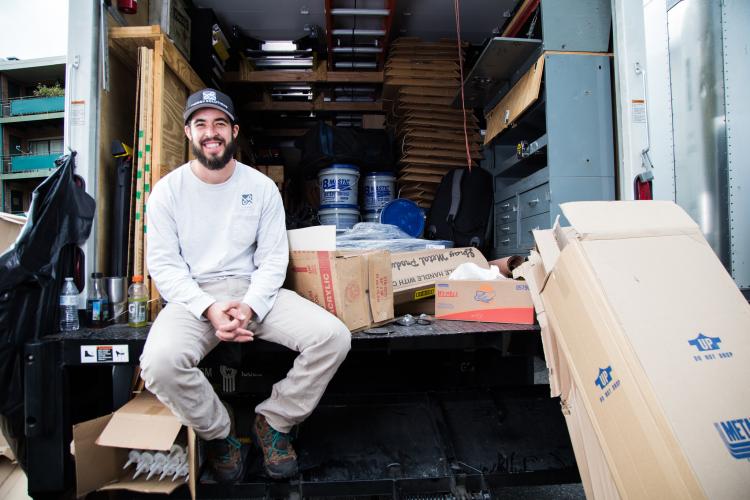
[604, 382]
[736, 437]
[706, 347]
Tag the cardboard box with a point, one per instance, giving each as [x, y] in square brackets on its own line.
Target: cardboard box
[275, 173]
[373, 121]
[354, 286]
[10, 228]
[415, 273]
[101, 447]
[496, 301]
[654, 333]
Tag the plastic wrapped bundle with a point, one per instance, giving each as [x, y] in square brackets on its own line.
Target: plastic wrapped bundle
[373, 236]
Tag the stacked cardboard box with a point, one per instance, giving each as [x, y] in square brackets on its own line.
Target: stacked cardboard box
[646, 337]
[274, 172]
[421, 81]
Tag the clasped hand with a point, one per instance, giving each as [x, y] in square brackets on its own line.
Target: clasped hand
[230, 319]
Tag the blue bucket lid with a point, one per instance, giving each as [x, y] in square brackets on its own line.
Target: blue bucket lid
[405, 214]
[328, 206]
[343, 165]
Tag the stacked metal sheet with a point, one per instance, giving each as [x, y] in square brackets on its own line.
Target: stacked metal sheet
[420, 82]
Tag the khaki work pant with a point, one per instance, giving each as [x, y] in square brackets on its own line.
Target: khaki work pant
[178, 341]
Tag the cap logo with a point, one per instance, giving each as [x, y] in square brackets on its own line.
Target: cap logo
[209, 95]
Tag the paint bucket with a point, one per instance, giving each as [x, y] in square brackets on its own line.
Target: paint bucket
[341, 216]
[338, 185]
[379, 189]
[371, 216]
[405, 214]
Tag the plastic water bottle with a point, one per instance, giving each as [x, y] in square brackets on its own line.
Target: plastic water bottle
[137, 302]
[97, 303]
[69, 307]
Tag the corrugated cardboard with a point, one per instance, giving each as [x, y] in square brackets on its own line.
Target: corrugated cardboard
[494, 301]
[101, 447]
[415, 273]
[373, 121]
[655, 334]
[10, 228]
[354, 286]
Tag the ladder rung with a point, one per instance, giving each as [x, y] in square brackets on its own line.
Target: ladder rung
[360, 12]
[360, 50]
[357, 32]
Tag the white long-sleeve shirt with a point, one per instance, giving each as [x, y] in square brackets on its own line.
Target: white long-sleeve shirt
[198, 232]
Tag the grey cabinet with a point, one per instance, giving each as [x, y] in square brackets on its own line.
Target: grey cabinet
[559, 149]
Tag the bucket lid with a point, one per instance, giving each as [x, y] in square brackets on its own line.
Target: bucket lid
[330, 206]
[405, 214]
[338, 166]
[381, 174]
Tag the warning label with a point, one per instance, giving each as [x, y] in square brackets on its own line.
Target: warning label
[105, 354]
[638, 110]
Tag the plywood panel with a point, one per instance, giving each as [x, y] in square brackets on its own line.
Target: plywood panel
[116, 111]
[523, 94]
[173, 152]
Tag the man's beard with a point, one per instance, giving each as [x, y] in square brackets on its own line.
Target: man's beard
[215, 162]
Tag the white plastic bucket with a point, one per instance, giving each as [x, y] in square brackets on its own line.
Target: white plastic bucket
[338, 185]
[371, 216]
[343, 217]
[379, 189]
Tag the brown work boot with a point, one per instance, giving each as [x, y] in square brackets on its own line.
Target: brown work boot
[225, 459]
[279, 458]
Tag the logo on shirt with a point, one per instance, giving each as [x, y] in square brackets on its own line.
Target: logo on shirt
[247, 199]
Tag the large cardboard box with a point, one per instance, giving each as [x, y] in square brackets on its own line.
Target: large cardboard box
[495, 301]
[654, 333]
[10, 228]
[101, 447]
[354, 286]
[415, 273]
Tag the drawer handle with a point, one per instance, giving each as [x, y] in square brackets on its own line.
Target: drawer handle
[533, 202]
[505, 205]
[505, 217]
[505, 229]
[505, 241]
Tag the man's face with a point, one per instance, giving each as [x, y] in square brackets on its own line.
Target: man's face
[211, 136]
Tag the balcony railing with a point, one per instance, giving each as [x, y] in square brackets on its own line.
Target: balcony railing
[25, 163]
[23, 106]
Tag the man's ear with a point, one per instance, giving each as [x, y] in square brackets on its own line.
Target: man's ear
[235, 131]
[187, 132]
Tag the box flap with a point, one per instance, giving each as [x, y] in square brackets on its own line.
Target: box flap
[143, 486]
[312, 238]
[143, 423]
[612, 219]
[95, 465]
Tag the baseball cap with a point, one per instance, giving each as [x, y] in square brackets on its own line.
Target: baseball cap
[208, 98]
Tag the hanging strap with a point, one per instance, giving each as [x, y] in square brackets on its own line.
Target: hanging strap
[455, 195]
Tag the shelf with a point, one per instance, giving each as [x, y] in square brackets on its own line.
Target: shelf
[500, 60]
[507, 167]
[532, 123]
[30, 174]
